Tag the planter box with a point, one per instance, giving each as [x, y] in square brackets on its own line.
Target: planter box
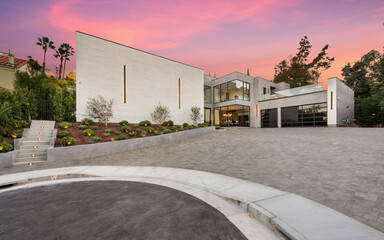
[100, 149]
[6, 159]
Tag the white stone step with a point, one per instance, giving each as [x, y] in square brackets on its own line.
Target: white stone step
[38, 139]
[35, 161]
[31, 147]
[29, 159]
[43, 121]
[35, 143]
[37, 135]
[31, 153]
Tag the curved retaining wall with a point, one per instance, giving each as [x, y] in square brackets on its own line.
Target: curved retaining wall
[100, 149]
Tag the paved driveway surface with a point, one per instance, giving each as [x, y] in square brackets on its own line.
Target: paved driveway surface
[342, 168]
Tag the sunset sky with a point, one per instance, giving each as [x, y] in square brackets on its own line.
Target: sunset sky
[218, 36]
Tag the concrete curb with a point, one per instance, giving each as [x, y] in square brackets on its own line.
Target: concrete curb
[7, 159]
[105, 148]
[295, 216]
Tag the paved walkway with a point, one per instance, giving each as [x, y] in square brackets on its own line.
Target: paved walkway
[341, 168]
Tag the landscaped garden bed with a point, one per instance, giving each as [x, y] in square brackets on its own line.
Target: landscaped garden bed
[89, 132]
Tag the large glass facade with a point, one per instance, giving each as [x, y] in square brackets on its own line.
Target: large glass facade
[304, 115]
[207, 115]
[269, 118]
[232, 90]
[233, 115]
[207, 94]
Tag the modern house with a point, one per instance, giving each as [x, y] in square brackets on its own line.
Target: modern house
[8, 66]
[139, 80]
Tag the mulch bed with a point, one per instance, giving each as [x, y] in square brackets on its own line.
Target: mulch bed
[80, 139]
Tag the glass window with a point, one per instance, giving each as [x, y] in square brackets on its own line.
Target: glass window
[207, 94]
[224, 92]
[217, 116]
[216, 94]
[207, 115]
[236, 90]
[264, 90]
[246, 91]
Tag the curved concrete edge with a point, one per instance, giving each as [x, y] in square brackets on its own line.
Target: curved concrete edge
[105, 148]
[295, 216]
[250, 227]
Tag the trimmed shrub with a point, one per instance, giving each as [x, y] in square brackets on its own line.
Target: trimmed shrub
[96, 139]
[174, 129]
[21, 123]
[91, 141]
[185, 124]
[145, 123]
[65, 125]
[217, 127]
[82, 127]
[95, 128]
[88, 132]
[117, 125]
[163, 128]
[166, 131]
[117, 132]
[132, 134]
[62, 134]
[6, 147]
[87, 121]
[123, 123]
[143, 133]
[67, 141]
[16, 133]
[156, 132]
[122, 137]
[138, 131]
[125, 129]
[189, 127]
[108, 131]
[150, 130]
[170, 123]
[136, 125]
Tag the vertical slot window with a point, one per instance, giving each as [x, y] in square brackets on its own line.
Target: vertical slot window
[331, 100]
[178, 91]
[125, 84]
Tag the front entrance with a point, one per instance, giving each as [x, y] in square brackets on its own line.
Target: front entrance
[233, 115]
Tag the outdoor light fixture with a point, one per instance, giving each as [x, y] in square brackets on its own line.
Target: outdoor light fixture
[42, 127]
[43, 121]
[32, 155]
[30, 164]
[35, 147]
[41, 132]
[39, 139]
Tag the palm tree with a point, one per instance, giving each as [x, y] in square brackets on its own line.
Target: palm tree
[60, 53]
[45, 43]
[68, 52]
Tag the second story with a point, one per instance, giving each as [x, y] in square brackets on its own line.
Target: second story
[8, 66]
[238, 88]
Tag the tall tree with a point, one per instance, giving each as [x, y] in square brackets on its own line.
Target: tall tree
[366, 78]
[298, 71]
[60, 53]
[68, 52]
[45, 43]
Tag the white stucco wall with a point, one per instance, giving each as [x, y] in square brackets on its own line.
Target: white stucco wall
[343, 103]
[150, 79]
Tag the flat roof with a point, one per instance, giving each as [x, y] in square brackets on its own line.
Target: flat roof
[137, 49]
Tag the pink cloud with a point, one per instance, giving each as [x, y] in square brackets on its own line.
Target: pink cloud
[155, 24]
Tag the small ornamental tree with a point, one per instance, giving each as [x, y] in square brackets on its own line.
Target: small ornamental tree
[195, 115]
[100, 109]
[160, 114]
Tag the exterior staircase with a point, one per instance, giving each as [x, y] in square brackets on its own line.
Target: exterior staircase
[35, 142]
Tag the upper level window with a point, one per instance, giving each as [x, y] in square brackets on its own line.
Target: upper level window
[264, 90]
[233, 90]
[207, 94]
